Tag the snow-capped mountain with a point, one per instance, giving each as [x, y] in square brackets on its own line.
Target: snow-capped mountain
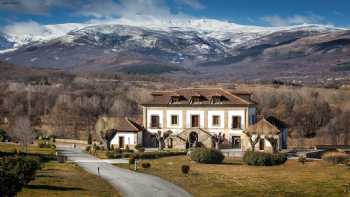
[212, 28]
[200, 45]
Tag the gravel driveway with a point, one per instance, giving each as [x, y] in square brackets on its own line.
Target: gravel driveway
[129, 183]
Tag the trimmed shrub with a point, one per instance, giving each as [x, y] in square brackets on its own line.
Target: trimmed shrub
[302, 159]
[336, 157]
[113, 155]
[3, 135]
[156, 155]
[87, 148]
[205, 155]
[126, 155]
[127, 149]
[45, 144]
[10, 183]
[145, 165]
[132, 159]
[15, 172]
[185, 169]
[118, 150]
[139, 148]
[264, 159]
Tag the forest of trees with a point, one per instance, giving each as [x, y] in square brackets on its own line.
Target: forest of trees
[70, 109]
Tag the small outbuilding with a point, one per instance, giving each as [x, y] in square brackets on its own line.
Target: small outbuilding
[122, 130]
[270, 134]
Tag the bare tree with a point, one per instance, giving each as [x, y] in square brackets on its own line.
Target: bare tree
[274, 143]
[22, 131]
[252, 141]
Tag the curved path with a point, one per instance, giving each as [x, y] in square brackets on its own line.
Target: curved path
[129, 183]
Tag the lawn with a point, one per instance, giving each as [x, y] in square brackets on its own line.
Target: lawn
[67, 179]
[61, 179]
[7, 147]
[315, 178]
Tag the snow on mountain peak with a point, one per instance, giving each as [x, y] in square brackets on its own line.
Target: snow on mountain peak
[28, 32]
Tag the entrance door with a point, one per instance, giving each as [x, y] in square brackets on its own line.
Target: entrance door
[121, 142]
[236, 142]
[262, 144]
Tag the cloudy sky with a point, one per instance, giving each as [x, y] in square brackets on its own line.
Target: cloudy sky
[250, 12]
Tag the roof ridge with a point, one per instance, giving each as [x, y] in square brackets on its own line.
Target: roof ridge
[131, 123]
[245, 101]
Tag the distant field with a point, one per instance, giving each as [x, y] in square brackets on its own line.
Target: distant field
[150, 69]
[236, 179]
[343, 67]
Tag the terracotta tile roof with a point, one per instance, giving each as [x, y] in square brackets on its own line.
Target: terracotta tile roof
[184, 97]
[262, 127]
[121, 124]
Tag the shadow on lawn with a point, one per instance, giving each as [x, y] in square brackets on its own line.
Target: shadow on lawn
[50, 187]
[48, 176]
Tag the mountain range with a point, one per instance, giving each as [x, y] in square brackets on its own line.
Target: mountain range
[198, 49]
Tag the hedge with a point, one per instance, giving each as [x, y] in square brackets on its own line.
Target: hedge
[264, 159]
[143, 155]
[205, 155]
[15, 172]
[156, 155]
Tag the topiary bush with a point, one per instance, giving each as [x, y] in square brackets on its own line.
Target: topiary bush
[264, 159]
[206, 155]
[145, 165]
[185, 169]
[336, 157]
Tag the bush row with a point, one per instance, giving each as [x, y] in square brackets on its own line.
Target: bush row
[153, 155]
[264, 159]
[46, 144]
[15, 172]
[156, 155]
[206, 155]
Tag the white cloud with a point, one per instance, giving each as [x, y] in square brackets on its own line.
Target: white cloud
[100, 9]
[38, 7]
[196, 4]
[125, 8]
[21, 29]
[276, 20]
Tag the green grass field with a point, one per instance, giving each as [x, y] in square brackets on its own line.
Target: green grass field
[233, 178]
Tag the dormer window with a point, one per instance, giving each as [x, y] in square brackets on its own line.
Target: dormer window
[196, 99]
[216, 99]
[176, 99]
